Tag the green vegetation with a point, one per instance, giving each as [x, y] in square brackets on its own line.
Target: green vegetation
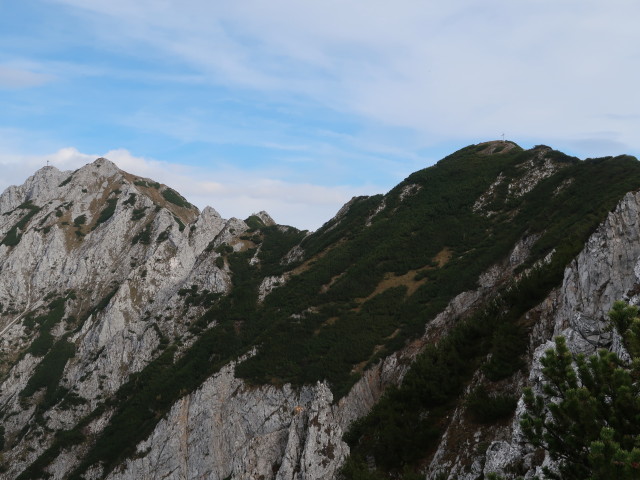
[254, 222]
[565, 222]
[144, 183]
[81, 220]
[44, 219]
[63, 439]
[193, 297]
[70, 400]
[164, 235]
[224, 249]
[181, 225]
[587, 417]
[625, 319]
[508, 343]
[41, 345]
[102, 304]
[55, 355]
[108, 211]
[407, 235]
[131, 200]
[487, 408]
[138, 213]
[48, 374]
[174, 197]
[14, 235]
[144, 235]
[407, 422]
[66, 181]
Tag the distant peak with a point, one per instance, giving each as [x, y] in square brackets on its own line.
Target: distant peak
[101, 167]
[101, 161]
[496, 146]
[46, 171]
[259, 220]
[265, 217]
[210, 212]
[545, 148]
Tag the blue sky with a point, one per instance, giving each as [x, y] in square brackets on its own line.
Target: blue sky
[293, 107]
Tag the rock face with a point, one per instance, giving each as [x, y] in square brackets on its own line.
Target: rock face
[132, 265]
[226, 429]
[118, 248]
[110, 268]
[605, 271]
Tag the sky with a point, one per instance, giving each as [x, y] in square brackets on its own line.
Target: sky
[293, 106]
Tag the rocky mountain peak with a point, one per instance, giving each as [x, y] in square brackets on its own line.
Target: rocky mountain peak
[102, 161]
[496, 147]
[265, 217]
[41, 185]
[100, 168]
[210, 212]
[47, 173]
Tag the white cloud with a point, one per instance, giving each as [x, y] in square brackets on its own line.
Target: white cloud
[64, 159]
[459, 72]
[448, 70]
[232, 192]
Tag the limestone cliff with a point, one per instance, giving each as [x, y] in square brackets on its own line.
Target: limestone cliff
[119, 252]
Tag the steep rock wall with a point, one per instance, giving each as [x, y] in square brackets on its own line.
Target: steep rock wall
[125, 291]
[607, 269]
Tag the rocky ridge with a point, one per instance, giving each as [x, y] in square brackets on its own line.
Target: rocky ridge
[123, 257]
[120, 248]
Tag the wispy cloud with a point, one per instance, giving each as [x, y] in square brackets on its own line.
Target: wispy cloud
[326, 97]
[446, 70]
[15, 77]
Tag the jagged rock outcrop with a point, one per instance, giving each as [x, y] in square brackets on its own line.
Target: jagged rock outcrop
[532, 172]
[228, 429]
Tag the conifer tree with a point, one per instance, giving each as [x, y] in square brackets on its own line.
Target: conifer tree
[588, 416]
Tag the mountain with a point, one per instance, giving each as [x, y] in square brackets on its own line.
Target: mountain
[142, 338]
